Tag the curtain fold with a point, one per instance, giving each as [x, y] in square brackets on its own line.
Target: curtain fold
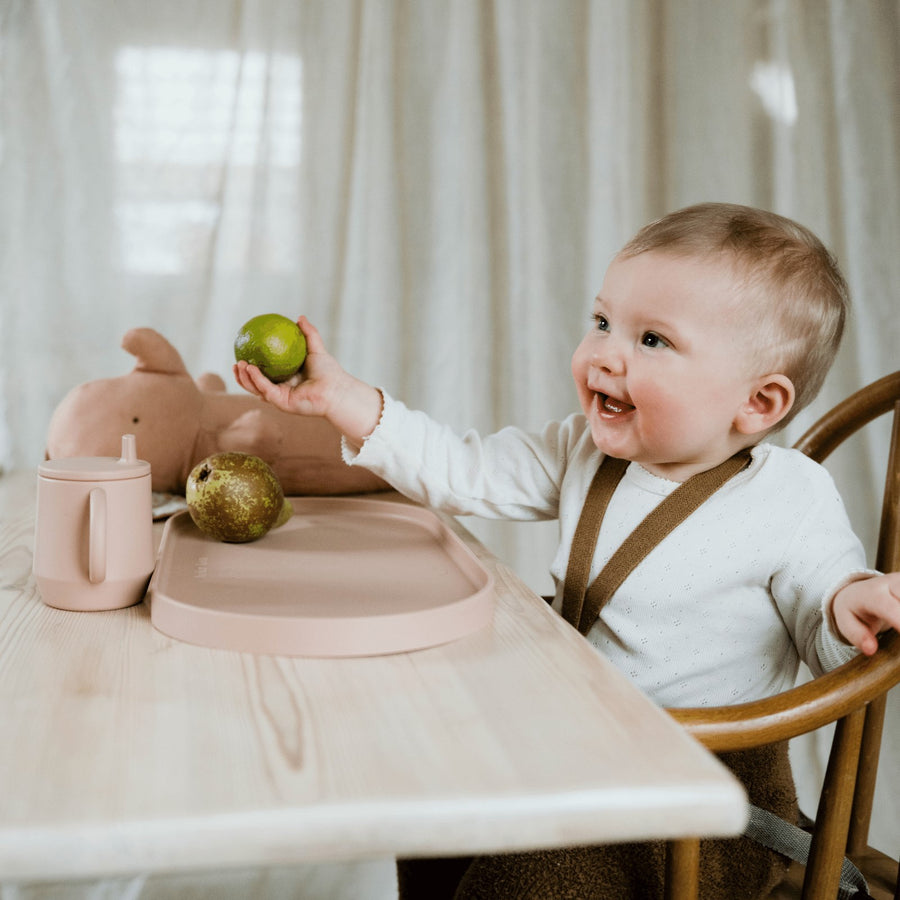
[439, 186]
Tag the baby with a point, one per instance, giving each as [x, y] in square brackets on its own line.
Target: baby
[714, 326]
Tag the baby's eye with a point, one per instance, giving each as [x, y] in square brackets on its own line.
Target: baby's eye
[652, 339]
[601, 322]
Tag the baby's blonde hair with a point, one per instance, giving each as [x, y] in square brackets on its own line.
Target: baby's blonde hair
[791, 292]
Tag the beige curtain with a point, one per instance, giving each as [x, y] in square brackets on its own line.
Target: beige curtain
[438, 184]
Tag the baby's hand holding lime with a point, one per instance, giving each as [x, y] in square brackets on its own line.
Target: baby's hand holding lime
[273, 343]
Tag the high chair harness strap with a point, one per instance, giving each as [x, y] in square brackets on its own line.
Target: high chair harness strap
[582, 603]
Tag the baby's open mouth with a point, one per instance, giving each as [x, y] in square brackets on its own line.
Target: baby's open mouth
[614, 406]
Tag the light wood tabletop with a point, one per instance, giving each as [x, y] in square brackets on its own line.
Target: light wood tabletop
[124, 750]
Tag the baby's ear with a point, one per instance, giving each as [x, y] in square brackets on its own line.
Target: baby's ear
[770, 400]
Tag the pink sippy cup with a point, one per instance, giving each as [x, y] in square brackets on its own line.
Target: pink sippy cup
[93, 544]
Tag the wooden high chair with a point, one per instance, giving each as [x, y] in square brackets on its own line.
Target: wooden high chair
[853, 696]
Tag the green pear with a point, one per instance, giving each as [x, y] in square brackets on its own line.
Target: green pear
[234, 497]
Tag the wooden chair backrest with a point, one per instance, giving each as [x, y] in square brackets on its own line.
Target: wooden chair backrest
[825, 435]
[853, 695]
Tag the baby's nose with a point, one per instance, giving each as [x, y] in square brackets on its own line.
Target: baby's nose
[610, 358]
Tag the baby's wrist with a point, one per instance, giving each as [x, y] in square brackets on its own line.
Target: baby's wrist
[357, 411]
[831, 615]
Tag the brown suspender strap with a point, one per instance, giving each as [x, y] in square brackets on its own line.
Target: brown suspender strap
[609, 473]
[581, 604]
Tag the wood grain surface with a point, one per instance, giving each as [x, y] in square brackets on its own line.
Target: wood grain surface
[124, 750]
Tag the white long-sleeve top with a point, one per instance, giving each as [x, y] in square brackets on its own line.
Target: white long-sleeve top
[720, 612]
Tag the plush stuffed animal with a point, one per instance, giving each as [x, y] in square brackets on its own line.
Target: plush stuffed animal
[178, 421]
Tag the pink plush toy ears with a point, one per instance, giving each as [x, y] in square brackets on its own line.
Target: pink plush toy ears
[153, 352]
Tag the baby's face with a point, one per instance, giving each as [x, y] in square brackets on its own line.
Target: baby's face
[663, 371]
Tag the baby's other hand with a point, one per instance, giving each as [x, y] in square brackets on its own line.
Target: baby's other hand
[863, 609]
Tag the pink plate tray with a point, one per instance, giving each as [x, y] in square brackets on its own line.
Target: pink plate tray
[343, 577]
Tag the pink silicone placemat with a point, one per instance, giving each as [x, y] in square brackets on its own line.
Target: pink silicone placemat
[343, 577]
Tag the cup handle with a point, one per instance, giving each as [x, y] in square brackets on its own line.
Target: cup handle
[97, 537]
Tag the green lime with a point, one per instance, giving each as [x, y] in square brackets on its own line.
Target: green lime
[274, 343]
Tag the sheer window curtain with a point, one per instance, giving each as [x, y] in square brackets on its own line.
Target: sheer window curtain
[438, 185]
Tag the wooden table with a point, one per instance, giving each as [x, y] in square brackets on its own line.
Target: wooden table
[126, 751]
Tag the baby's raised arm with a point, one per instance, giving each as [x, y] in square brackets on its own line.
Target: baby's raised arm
[863, 609]
[323, 388]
